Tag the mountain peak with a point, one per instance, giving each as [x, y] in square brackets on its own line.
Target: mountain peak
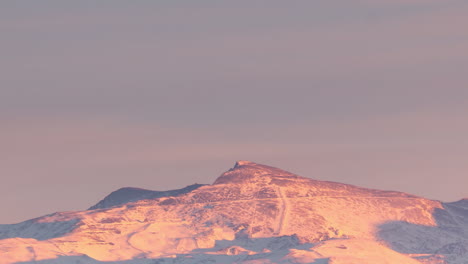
[251, 172]
[131, 194]
[256, 213]
[243, 163]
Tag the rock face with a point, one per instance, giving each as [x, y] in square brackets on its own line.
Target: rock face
[251, 214]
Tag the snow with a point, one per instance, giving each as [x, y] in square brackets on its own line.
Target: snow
[129, 194]
[38, 230]
[253, 213]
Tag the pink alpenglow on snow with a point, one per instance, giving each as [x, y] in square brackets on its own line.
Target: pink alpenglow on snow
[252, 213]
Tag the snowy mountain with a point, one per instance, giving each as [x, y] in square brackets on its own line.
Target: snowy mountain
[251, 214]
[127, 195]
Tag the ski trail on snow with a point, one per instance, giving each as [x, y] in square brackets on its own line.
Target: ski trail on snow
[130, 237]
[282, 219]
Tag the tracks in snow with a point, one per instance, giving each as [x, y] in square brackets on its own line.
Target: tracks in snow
[300, 198]
[284, 207]
[130, 236]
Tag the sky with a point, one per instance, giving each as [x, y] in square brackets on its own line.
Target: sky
[99, 95]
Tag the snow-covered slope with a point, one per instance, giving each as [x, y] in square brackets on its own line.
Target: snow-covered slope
[128, 194]
[251, 214]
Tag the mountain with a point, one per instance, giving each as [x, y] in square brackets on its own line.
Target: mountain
[252, 213]
[127, 195]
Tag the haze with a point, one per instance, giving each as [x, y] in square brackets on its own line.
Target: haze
[95, 96]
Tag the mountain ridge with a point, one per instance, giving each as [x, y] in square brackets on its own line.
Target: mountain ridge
[252, 213]
[133, 194]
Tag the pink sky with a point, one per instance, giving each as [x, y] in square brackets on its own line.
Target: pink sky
[98, 96]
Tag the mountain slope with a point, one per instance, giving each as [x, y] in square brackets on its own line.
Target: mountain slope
[128, 194]
[251, 214]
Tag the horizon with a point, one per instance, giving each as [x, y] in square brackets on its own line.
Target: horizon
[97, 96]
